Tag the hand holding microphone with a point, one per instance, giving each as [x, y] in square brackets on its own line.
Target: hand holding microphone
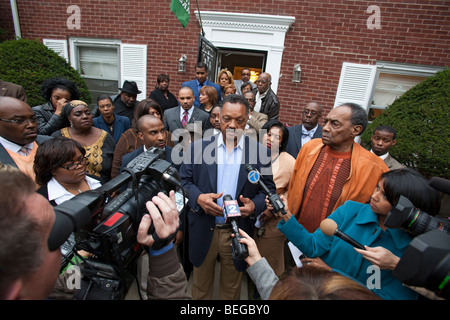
[255, 177]
[329, 228]
[231, 213]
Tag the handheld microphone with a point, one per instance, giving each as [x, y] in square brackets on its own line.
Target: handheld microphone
[329, 228]
[231, 213]
[255, 177]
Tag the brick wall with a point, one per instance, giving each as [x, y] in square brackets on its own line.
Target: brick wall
[325, 34]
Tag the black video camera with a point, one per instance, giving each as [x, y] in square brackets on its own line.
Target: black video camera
[426, 261]
[108, 227]
[413, 220]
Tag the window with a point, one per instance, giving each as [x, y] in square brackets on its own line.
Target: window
[99, 66]
[105, 64]
[375, 87]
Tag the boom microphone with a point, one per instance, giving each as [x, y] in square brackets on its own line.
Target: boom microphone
[440, 184]
[255, 177]
[329, 228]
[231, 213]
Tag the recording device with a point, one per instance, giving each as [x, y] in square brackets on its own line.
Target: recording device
[255, 177]
[108, 227]
[413, 220]
[329, 228]
[426, 263]
[231, 213]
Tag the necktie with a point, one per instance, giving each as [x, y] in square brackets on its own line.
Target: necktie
[305, 133]
[185, 119]
[24, 151]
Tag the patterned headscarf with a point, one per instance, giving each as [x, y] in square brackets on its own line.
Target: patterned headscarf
[72, 104]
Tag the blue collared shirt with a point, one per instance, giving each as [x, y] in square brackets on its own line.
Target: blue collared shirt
[228, 166]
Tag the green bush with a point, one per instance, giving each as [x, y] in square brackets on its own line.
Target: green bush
[29, 62]
[421, 119]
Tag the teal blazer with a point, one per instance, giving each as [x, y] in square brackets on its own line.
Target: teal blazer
[359, 222]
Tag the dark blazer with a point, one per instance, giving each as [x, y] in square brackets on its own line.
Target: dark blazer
[172, 120]
[198, 177]
[295, 139]
[9, 89]
[269, 104]
[121, 124]
[5, 158]
[193, 85]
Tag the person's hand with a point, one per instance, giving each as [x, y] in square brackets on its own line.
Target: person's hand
[206, 201]
[286, 216]
[253, 252]
[178, 238]
[165, 220]
[60, 106]
[380, 256]
[316, 262]
[248, 208]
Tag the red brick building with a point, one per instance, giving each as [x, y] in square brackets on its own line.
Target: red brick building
[348, 50]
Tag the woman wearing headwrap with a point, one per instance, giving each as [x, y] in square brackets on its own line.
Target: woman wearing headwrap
[99, 145]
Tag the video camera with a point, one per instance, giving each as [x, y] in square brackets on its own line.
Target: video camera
[426, 261]
[108, 226]
[413, 220]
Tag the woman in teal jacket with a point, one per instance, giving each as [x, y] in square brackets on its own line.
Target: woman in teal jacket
[365, 224]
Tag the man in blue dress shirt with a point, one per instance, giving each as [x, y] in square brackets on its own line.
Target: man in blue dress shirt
[201, 72]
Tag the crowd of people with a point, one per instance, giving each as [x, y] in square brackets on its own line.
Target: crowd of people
[210, 133]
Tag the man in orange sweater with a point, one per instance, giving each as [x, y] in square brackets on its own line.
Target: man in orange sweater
[18, 135]
[333, 169]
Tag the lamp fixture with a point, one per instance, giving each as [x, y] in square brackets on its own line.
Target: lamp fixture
[182, 63]
[297, 73]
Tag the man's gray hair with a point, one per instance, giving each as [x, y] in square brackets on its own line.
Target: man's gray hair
[359, 115]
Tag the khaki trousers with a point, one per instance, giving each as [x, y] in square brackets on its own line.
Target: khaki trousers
[229, 279]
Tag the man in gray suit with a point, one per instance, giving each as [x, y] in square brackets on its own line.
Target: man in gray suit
[178, 117]
[382, 140]
[309, 129]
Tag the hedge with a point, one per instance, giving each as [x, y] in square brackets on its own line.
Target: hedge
[421, 119]
[29, 62]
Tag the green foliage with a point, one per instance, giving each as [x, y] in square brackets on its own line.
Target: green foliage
[29, 62]
[421, 119]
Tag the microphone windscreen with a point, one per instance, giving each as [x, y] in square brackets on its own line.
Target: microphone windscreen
[328, 227]
[440, 184]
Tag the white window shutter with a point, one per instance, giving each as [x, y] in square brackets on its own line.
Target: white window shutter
[133, 66]
[59, 46]
[356, 84]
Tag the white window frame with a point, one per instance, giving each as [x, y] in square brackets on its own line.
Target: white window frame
[357, 82]
[132, 58]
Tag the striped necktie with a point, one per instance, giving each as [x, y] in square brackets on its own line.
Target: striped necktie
[24, 151]
[185, 119]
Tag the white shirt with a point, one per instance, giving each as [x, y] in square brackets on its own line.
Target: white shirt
[11, 146]
[307, 138]
[258, 99]
[189, 113]
[58, 193]
[383, 156]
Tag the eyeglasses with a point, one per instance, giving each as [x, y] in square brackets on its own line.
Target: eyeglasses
[20, 121]
[306, 112]
[75, 165]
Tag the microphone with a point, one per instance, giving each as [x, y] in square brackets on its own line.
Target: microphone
[440, 184]
[255, 177]
[329, 228]
[231, 213]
